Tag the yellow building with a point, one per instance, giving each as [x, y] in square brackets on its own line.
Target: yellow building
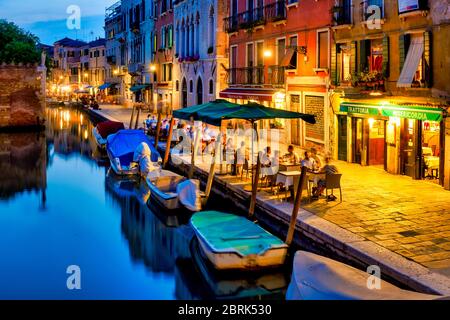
[391, 86]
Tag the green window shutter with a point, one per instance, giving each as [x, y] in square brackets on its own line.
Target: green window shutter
[386, 56]
[403, 46]
[353, 60]
[427, 57]
[334, 78]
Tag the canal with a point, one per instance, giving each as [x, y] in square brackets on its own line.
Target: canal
[61, 206]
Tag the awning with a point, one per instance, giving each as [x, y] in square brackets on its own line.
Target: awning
[248, 94]
[412, 61]
[105, 86]
[414, 112]
[139, 87]
[215, 112]
[81, 91]
[286, 62]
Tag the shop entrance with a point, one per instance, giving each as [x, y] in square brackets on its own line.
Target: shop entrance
[342, 138]
[369, 141]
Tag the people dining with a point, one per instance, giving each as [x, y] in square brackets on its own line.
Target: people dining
[266, 157]
[309, 162]
[291, 157]
[327, 169]
[316, 158]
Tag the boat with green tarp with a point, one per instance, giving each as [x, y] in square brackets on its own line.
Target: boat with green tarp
[232, 242]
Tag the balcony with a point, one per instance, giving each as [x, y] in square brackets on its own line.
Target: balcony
[257, 76]
[272, 12]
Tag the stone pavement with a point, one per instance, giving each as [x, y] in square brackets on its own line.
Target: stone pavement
[408, 217]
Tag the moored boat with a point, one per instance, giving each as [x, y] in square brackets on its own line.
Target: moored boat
[104, 129]
[231, 242]
[121, 148]
[173, 192]
[319, 278]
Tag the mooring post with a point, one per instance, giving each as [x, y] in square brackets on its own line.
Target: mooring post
[132, 117]
[212, 169]
[255, 181]
[158, 129]
[137, 117]
[297, 202]
[194, 152]
[169, 141]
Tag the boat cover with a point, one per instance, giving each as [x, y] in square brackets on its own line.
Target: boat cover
[189, 195]
[225, 232]
[109, 127]
[160, 173]
[123, 144]
[319, 278]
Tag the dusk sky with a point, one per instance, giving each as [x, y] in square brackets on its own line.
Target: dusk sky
[47, 18]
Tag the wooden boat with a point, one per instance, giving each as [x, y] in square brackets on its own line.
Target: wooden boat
[168, 192]
[102, 130]
[319, 278]
[121, 147]
[232, 242]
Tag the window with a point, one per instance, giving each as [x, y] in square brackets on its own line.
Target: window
[293, 47]
[211, 87]
[323, 49]
[177, 86]
[281, 50]
[415, 60]
[191, 86]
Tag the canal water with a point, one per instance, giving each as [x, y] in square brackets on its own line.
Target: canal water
[60, 206]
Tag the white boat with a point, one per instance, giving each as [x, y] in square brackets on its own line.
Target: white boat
[319, 278]
[232, 242]
[174, 192]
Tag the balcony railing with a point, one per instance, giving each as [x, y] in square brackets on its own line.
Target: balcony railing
[259, 16]
[257, 76]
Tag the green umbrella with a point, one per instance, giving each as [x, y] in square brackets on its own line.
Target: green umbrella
[200, 111]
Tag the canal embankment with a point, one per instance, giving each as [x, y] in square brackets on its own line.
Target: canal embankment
[316, 232]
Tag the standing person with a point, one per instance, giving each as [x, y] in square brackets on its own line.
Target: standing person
[309, 162]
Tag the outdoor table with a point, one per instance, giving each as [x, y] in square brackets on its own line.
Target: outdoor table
[288, 179]
[286, 166]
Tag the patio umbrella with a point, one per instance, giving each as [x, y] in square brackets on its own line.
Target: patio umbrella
[199, 112]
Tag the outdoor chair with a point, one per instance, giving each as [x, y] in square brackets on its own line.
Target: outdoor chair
[333, 181]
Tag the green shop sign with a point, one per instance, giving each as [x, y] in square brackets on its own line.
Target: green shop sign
[408, 112]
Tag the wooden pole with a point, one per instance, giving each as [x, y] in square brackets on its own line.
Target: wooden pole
[297, 202]
[169, 140]
[212, 168]
[132, 117]
[158, 129]
[194, 152]
[255, 181]
[138, 109]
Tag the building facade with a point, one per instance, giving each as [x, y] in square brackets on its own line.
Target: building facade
[279, 56]
[200, 50]
[390, 91]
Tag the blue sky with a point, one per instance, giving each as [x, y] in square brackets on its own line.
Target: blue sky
[47, 18]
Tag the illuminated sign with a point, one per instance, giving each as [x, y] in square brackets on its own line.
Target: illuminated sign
[408, 5]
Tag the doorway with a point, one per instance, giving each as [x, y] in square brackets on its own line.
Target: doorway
[342, 138]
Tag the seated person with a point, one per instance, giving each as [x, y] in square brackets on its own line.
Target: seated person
[316, 158]
[309, 162]
[291, 156]
[327, 169]
[266, 158]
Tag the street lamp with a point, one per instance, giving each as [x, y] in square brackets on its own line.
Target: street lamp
[152, 68]
[267, 53]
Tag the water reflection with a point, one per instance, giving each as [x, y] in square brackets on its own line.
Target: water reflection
[126, 248]
[23, 164]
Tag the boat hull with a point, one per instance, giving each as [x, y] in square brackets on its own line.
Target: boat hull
[272, 258]
[101, 143]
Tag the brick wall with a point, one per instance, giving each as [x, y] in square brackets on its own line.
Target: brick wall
[316, 106]
[19, 96]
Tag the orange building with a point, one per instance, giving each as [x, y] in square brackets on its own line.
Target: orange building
[279, 55]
